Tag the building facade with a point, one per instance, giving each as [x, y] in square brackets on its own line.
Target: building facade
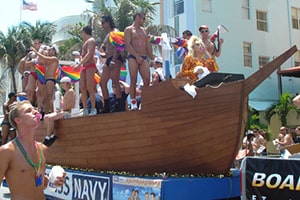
[258, 32]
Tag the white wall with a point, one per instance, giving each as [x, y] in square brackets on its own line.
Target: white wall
[279, 38]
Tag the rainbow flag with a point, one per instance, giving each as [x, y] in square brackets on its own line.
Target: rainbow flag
[117, 40]
[154, 39]
[74, 75]
[123, 74]
[40, 70]
[69, 72]
[180, 42]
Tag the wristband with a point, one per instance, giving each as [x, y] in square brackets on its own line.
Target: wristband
[112, 62]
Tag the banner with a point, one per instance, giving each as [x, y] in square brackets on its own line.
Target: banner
[270, 178]
[81, 185]
[136, 188]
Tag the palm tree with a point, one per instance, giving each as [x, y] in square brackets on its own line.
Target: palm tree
[123, 16]
[43, 31]
[122, 13]
[282, 108]
[73, 43]
[18, 39]
[12, 49]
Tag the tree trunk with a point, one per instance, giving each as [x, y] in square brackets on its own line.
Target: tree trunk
[12, 69]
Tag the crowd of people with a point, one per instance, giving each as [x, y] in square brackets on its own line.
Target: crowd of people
[255, 141]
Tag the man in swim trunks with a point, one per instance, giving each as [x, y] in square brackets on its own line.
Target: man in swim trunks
[51, 65]
[67, 103]
[24, 70]
[138, 47]
[23, 160]
[112, 67]
[7, 129]
[88, 70]
[33, 77]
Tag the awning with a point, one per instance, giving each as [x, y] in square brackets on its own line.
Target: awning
[293, 72]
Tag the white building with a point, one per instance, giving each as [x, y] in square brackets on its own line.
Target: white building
[259, 30]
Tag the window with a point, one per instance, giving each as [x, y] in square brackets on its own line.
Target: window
[296, 18]
[262, 60]
[297, 58]
[178, 7]
[206, 5]
[245, 9]
[247, 54]
[261, 20]
[176, 25]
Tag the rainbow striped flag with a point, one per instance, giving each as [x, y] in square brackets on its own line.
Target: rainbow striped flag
[117, 40]
[69, 72]
[123, 74]
[40, 70]
[74, 75]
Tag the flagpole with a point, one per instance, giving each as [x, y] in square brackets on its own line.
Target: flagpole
[21, 11]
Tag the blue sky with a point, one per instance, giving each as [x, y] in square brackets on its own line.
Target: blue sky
[48, 10]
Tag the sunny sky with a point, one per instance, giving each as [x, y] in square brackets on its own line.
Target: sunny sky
[47, 10]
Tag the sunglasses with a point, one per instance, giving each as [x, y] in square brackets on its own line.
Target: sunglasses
[204, 31]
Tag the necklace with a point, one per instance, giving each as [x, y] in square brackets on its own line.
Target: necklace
[35, 166]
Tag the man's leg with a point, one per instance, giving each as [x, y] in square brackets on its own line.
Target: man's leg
[133, 70]
[103, 83]
[30, 89]
[145, 73]
[49, 94]
[115, 77]
[90, 85]
[5, 131]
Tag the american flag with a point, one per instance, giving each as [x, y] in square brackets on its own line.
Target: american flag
[29, 6]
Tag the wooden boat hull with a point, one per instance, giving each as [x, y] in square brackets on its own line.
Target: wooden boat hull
[173, 132]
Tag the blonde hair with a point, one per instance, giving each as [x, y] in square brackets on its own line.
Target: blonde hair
[14, 112]
[191, 44]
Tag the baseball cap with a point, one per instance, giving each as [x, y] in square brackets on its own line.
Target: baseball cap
[54, 46]
[65, 80]
[158, 59]
[75, 53]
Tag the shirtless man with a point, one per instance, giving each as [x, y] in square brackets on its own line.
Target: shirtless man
[287, 137]
[88, 69]
[112, 67]
[33, 77]
[209, 45]
[24, 70]
[258, 142]
[138, 47]
[51, 65]
[5, 125]
[67, 104]
[158, 74]
[22, 161]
